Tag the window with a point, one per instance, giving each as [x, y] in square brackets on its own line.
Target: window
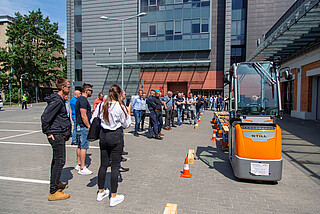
[177, 27]
[196, 26]
[78, 75]
[178, 1]
[144, 29]
[204, 25]
[161, 28]
[152, 29]
[169, 1]
[186, 26]
[237, 4]
[77, 2]
[152, 2]
[169, 27]
[78, 50]
[78, 23]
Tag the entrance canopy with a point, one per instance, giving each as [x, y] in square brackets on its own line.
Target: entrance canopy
[156, 64]
[297, 30]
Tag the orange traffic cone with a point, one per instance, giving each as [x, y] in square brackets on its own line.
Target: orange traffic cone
[201, 114]
[199, 121]
[186, 172]
[214, 136]
[196, 126]
[31, 105]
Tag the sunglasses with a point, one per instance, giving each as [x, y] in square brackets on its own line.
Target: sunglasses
[124, 93]
[67, 86]
[90, 90]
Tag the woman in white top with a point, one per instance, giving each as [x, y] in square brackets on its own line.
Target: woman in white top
[114, 118]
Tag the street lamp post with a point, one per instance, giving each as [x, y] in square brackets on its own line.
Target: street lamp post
[21, 83]
[122, 20]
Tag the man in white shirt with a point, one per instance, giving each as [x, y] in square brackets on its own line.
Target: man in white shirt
[136, 108]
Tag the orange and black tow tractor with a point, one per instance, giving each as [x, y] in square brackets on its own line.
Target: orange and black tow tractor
[255, 147]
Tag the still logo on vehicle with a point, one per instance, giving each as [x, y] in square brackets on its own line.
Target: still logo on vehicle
[259, 136]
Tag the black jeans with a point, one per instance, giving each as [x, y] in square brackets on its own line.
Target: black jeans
[111, 145]
[143, 116]
[169, 117]
[153, 124]
[58, 160]
[24, 105]
[159, 120]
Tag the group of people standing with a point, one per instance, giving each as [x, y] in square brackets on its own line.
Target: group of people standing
[218, 103]
[56, 124]
[172, 105]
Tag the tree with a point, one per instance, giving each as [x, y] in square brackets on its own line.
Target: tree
[34, 47]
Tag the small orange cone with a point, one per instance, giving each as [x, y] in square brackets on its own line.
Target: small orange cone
[214, 136]
[31, 105]
[199, 121]
[196, 126]
[186, 172]
[19, 105]
[201, 114]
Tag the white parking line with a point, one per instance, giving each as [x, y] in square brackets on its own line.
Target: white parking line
[24, 180]
[19, 135]
[23, 122]
[11, 130]
[42, 144]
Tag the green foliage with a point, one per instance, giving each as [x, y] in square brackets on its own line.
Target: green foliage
[35, 48]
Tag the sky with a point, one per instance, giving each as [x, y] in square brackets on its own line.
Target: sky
[55, 9]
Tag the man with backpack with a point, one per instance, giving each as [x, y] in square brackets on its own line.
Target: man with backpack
[56, 124]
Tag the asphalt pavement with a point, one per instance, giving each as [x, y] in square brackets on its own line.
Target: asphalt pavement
[154, 176]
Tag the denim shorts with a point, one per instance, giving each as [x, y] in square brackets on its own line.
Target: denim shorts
[82, 138]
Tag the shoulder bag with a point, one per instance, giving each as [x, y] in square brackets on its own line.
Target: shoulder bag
[94, 131]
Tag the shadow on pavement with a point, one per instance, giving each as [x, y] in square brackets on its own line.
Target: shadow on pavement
[302, 137]
[214, 158]
[66, 174]
[94, 181]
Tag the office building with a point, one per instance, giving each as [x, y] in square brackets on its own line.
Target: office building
[180, 45]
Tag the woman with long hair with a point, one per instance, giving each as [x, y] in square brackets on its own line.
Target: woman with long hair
[114, 117]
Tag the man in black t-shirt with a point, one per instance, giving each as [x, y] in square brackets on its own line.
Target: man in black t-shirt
[199, 105]
[83, 116]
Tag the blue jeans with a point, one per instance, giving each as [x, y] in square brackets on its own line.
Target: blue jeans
[82, 138]
[137, 118]
[179, 114]
[74, 131]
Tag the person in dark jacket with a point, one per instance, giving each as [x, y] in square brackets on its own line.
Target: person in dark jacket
[152, 117]
[56, 124]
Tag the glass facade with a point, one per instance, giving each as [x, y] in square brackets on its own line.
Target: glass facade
[78, 41]
[238, 31]
[174, 25]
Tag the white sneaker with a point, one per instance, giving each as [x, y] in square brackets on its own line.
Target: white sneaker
[116, 200]
[77, 167]
[85, 171]
[102, 195]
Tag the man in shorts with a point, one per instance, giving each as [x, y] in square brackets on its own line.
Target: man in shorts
[83, 116]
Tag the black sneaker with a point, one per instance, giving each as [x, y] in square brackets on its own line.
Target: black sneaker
[74, 143]
[124, 153]
[158, 138]
[123, 159]
[122, 169]
[136, 134]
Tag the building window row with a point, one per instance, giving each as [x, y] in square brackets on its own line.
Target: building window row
[174, 27]
[162, 5]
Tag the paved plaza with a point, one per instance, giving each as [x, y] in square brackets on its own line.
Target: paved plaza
[154, 176]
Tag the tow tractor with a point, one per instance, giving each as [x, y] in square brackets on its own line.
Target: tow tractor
[254, 138]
